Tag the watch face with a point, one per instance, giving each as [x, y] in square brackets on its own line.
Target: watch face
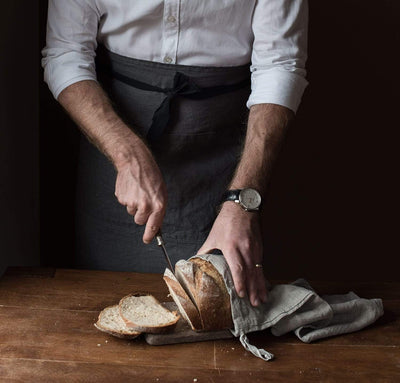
[250, 199]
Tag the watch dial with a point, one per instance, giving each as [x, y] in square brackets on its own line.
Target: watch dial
[250, 198]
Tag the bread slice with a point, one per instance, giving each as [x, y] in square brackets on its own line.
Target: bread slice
[144, 313]
[185, 273]
[208, 292]
[186, 307]
[110, 321]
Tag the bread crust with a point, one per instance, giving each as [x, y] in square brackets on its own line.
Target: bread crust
[116, 334]
[208, 291]
[148, 329]
[182, 300]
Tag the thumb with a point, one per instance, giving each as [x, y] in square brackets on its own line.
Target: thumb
[207, 247]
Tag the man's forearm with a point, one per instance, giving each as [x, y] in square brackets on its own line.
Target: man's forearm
[139, 183]
[266, 129]
[236, 232]
[90, 108]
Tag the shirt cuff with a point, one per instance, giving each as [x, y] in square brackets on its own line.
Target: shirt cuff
[277, 86]
[61, 72]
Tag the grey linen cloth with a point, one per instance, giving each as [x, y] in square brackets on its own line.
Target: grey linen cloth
[296, 307]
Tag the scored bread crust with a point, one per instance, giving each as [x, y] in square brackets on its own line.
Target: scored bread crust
[213, 297]
[123, 334]
[148, 329]
[207, 289]
[186, 307]
[185, 273]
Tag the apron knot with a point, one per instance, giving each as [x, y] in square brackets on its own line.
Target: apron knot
[182, 86]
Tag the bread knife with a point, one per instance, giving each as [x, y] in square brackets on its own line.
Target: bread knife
[160, 243]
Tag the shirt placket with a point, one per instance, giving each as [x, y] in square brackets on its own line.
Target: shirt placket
[170, 31]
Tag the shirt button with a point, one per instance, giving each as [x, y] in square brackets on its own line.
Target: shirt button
[167, 59]
[171, 19]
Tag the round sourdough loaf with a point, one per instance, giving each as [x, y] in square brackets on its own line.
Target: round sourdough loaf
[212, 296]
[206, 288]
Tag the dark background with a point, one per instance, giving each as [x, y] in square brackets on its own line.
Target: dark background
[332, 210]
[19, 133]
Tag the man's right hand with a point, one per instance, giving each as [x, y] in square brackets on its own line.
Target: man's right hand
[141, 188]
[139, 185]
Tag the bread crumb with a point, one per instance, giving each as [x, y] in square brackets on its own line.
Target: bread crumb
[98, 344]
[194, 380]
[233, 348]
[106, 341]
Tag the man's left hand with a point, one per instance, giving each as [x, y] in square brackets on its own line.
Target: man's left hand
[237, 233]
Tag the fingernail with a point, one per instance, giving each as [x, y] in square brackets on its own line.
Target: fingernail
[241, 294]
[256, 302]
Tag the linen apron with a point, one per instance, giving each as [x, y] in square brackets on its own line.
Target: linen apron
[193, 119]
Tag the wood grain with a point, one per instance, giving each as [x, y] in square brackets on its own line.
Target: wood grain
[334, 364]
[341, 366]
[78, 289]
[38, 371]
[47, 335]
[71, 336]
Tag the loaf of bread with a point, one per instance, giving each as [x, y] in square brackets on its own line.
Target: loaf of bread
[198, 290]
[206, 289]
[144, 313]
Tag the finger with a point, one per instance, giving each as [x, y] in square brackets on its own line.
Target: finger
[261, 284]
[154, 223]
[142, 214]
[252, 285]
[237, 267]
[252, 256]
[131, 209]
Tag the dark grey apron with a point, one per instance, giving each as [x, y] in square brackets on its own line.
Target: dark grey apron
[196, 140]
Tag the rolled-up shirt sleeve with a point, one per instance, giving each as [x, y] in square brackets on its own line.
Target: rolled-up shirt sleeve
[279, 53]
[68, 56]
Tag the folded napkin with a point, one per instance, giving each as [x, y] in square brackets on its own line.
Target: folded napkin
[296, 307]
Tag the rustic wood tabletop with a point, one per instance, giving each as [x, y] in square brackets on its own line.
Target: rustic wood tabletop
[47, 335]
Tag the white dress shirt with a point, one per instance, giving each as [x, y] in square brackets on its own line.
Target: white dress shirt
[271, 34]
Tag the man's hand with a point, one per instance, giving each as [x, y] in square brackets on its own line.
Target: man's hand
[140, 187]
[237, 234]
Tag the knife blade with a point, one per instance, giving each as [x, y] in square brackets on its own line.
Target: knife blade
[161, 243]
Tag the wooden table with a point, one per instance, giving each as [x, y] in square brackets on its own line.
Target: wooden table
[47, 335]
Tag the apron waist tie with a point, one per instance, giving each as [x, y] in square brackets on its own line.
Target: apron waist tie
[182, 86]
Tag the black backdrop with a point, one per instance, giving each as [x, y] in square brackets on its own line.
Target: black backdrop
[332, 208]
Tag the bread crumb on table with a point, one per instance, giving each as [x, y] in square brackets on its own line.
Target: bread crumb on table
[98, 344]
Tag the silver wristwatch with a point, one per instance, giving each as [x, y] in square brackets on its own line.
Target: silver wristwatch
[249, 199]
